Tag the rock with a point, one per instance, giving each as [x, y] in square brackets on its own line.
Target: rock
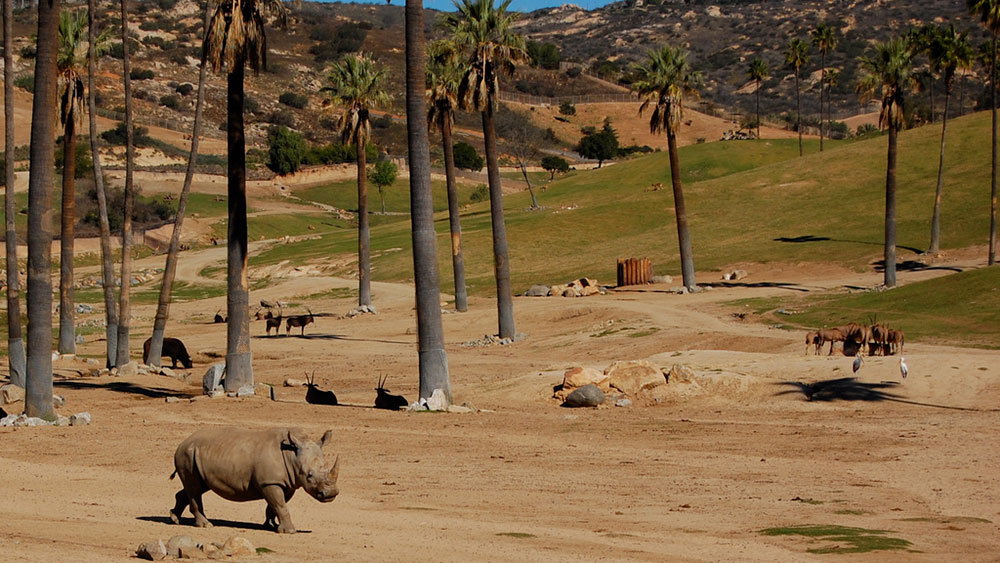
[661, 279]
[537, 291]
[130, 369]
[459, 409]
[80, 419]
[80, 339]
[579, 376]
[590, 290]
[172, 400]
[238, 546]
[556, 290]
[167, 372]
[680, 373]
[438, 401]
[58, 400]
[263, 389]
[212, 381]
[152, 551]
[212, 551]
[61, 421]
[175, 544]
[586, 396]
[632, 377]
[11, 393]
[292, 382]
[571, 292]
[195, 552]
[245, 391]
[735, 275]
[623, 402]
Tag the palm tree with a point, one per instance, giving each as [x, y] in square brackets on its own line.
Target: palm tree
[234, 40]
[796, 56]
[889, 74]
[491, 49]
[758, 72]
[15, 345]
[430, 334]
[72, 60]
[989, 15]
[662, 82]
[949, 52]
[832, 80]
[173, 250]
[358, 85]
[38, 384]
[824, 38]
[124, 304]
[107, 264]
[443, 78]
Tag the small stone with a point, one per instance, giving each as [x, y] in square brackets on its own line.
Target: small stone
[624, 402]
[245, 391]
[292, 382]
[262, 389]
[185, 552]
[459, 409]
[167, 372]
[586, 396]
[11, 394]
[661, 279]
[58, 400]
[79, 419]
[537, 291]
[152, 551]
[438, 401]
[238, 546]
[130, 369]
[172, 400]
[176, 543]
[680, 373]
[212, 381]
[80, 339]
[61, 421]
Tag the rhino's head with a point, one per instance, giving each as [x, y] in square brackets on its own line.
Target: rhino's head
[318, 479]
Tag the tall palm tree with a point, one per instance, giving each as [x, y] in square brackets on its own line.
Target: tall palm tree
[758, 72]
[234, 40]
[38, 384]
[107, 258]
[444, 75]
[358, 84]
[73, 49]
[491, 49]
[663, 81]
[989, 15]
[949, 52]
[430, 334]
[796, 57]
[888, 74]
[825, 39]
[832, 80]
[124, 303]
[15, 344]
[173, 250]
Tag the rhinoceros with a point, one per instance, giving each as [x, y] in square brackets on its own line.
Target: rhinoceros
[241, 465]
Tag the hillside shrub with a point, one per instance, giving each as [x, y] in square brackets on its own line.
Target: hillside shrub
[291, 99]
[141, 74]
[186, 89]
[170, 101]
[481, 193]
[283, 117]
[567, 108]
[286, 149]
[466, 157]
[26, 82]
[544, 55]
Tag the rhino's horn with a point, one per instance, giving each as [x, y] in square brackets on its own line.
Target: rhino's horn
[335, 470]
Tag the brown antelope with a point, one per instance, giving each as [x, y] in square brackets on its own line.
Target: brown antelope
[812, 339]
[299, 321]
[831, 335]
[273, 322]
[894, 341]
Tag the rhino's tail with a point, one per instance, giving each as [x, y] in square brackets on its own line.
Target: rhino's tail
[172, 475]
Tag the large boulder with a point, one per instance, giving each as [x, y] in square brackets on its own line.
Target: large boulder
[11, 394]
[212, 381]
[633, 377]
[130, 369]
[578, 377]
[537, 291]
[680, 373]
[586, 396]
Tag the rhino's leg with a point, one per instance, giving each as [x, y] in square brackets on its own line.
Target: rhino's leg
[194, 492]
[181, 502]
[275, 497]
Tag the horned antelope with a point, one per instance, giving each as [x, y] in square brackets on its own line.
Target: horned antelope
[299, 321]
[273, 322]
[315, 395]
[383, 400]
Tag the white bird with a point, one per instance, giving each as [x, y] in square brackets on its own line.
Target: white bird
[858, 362]
[902, 367]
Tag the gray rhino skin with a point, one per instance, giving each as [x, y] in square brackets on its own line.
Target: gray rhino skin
[242, 465]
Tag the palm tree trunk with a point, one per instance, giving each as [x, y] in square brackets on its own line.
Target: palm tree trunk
[758, 108]
[364, 234]
[993, 181]
[107, 258]
[124, 307]
[38, 384]
[67, 332]
[798, 110]
[15, 344]
[454, 221]
[890, 208]
[173, 251]
[239, 362]
[683, 234]
[935, 245]
[501, 263]
[430, 334]
[822, 89]
[524, 172]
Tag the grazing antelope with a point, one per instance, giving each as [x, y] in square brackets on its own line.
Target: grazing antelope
[386, 401]
[315, 395]
[894, 340]
[219, 318]
[831, 335]
[299, 321]
[812, 339]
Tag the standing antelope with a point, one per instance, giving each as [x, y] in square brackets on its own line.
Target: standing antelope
[299, 321]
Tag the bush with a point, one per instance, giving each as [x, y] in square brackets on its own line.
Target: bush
[84, 163]
[384, 121]
[170, 101]
[186, 89]
[567, 108]
[286, 149]
[118, 51]
[139, 94]
[28, 51]
[573, 71]
[347, 38]
[283, 117]
[553, 164]
[545, 55]
[144, 212]
[291, 99]
[466, 157]
[481, 193]
[250, 105]
[141, 74]
[26, 82]
[116, 136]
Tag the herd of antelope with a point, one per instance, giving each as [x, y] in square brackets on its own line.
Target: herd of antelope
[876, 338]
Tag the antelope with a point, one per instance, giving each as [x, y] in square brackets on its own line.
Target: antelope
[386, 401]
[273, 322]
[315, 395]
[299, 321]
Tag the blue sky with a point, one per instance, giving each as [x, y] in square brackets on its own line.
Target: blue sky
[518, 5]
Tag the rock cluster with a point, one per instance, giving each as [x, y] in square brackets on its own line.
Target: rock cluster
[581, 287]
[623, 384]
[184, 547]
[362, 310]
[494, 340]
[22, 420]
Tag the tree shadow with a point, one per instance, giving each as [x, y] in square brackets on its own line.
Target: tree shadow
[321, 336]
[124, 387]
[780, 285]
[814, 238]
[841, 389]
[216, 522]
[913, 266]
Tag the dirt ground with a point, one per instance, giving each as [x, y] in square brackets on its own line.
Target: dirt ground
[693, 478]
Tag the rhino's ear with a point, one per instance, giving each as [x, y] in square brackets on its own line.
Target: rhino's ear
[326, 439]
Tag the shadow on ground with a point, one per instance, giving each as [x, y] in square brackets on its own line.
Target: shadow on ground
[842, 389]
[189, 523]
[124, 387]
[813, 238]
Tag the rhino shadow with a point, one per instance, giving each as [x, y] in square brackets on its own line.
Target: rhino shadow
[188, 522]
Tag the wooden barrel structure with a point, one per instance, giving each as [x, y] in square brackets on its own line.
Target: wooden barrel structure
[634, 271]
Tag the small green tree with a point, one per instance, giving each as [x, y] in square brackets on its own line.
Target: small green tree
[467, 158]
[286, 150]
[567, 108]
[553, 164]
[382, 174]
[600, 145]
[544, 55]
